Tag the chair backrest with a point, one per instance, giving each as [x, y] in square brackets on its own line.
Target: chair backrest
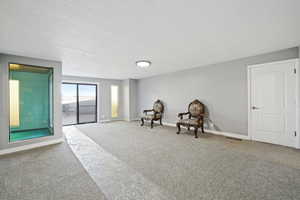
[158, 106]
[196, 108]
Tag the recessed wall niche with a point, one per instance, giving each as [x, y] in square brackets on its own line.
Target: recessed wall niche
[30, 102]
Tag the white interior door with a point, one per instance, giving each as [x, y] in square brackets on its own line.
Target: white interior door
[273, 103]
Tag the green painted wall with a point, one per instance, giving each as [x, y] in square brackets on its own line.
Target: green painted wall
[34, 99]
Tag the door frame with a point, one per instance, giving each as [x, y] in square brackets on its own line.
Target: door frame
[77, 83]
[297, 97]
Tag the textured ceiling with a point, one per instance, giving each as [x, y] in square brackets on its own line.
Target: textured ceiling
[105, 38]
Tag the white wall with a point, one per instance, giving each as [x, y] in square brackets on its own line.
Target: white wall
[130, 99]
[221, 87]
[133, 99]
[104, 95]
[126, 100]
[4, 99]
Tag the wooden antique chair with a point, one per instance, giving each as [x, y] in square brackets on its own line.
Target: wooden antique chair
[195, 118]
[156, 113]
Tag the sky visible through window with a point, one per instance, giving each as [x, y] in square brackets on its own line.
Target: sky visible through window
[69, 92]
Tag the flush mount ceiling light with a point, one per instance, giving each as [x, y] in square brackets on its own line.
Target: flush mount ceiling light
[143, 63]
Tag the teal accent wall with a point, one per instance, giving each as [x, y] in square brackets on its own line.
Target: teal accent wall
[35, 99]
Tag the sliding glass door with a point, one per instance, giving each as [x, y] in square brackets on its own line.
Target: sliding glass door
[69, 103]
[87, 103]
[79, 103]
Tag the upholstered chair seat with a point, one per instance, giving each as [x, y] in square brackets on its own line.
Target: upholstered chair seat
[195, 118]
[151, 116]
[154, 114]
[187, 122]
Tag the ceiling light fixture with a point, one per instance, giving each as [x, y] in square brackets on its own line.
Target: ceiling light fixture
[143, 63]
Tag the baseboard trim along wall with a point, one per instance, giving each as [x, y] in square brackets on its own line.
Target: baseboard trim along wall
[110, 120]
[226, 134]
[30, 146]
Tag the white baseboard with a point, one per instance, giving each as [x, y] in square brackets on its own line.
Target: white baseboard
[30, 146]
[104, 121]
[110, 120]
[226, 134]
[126, 120]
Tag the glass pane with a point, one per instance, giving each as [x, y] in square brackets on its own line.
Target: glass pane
[69, 103]
[114, 100]
[87, 103]
[30, 98]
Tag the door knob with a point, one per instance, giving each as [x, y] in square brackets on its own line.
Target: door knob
[255, 108]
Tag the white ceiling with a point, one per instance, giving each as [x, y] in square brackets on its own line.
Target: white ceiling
[104, 38]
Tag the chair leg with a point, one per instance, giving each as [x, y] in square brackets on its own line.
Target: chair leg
[196, 132]
[151, 123]
[142, 124]
[178, 126]
[188, 128]
[160, 121]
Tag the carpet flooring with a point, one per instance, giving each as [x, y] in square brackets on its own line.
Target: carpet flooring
[210, 167]
[115, 178]
[47, 173]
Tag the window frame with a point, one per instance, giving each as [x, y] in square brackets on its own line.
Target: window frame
[51, 98]
[111, 101]
[77, 102]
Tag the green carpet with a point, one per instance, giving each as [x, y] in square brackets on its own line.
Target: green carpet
[25, 135]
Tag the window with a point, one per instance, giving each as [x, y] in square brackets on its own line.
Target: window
[114, 101]
[14, 107]
[79, 101]
[30, 102]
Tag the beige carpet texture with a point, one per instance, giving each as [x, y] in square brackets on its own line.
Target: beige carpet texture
[121, 160]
